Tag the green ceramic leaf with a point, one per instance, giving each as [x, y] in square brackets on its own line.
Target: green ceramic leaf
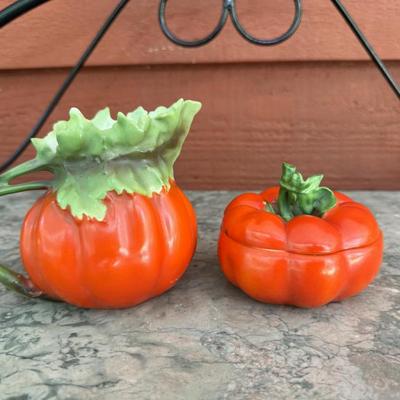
[134, 153]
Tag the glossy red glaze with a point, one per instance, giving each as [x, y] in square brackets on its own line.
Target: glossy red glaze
[307, 262]
[139, 251]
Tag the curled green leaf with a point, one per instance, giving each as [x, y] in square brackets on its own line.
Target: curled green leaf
[134, 153]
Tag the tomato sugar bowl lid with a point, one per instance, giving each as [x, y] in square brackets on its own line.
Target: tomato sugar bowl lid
[268, 221]
[349, 225]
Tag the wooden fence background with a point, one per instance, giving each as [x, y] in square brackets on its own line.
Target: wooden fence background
[316, 101]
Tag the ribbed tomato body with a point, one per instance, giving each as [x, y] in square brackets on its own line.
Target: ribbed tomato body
[308, 261]
[138, 251]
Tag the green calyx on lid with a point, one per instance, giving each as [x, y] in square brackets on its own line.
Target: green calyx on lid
[134, 153]
[299, 196]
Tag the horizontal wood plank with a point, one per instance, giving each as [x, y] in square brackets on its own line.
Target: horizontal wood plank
[336, 118]
[56, 33]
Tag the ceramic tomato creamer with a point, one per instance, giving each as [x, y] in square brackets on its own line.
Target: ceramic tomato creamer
[113, 228]
[299, 244]
[140, 249]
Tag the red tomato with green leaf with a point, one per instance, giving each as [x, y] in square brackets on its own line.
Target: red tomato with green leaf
[113, 229]
[299, 244]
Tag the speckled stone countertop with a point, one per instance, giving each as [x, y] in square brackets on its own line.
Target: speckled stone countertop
[205, 339]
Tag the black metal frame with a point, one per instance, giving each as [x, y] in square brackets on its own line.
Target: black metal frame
[20, 7]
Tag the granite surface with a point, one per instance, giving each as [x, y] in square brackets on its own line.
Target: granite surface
[204, 339]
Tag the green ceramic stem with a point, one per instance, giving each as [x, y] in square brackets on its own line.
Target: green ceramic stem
[22, 169]
[302, 197]
[283, 205]
[18, 283]
[10, 279]
[23, 187]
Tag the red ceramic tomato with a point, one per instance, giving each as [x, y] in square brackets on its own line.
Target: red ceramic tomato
[138, 251]
[306, 260]
[113, 228]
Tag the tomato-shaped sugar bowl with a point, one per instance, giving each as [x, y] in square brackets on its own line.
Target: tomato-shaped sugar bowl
[299, 244]
[113, 228]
